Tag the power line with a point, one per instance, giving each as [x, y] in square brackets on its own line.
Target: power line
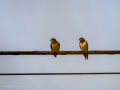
[58, 52]
[60, 73]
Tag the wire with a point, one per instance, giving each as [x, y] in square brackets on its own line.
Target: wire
[60, 73]
[58, 52]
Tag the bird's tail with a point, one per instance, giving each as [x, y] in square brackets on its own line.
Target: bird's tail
[86, 56]
[55, 55]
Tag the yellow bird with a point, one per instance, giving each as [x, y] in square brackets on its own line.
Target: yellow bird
[55, 45]
[83, 46]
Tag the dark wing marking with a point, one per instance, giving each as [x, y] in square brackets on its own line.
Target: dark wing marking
[59, 46]
[51, 47]
[87, 45]
[86, 55]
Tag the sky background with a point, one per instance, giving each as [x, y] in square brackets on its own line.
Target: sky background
[28, 25]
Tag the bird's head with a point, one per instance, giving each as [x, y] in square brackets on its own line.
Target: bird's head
[81, 39]
[53, 40]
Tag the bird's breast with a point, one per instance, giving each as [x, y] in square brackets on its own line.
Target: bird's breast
[55, 47]
[83, 46]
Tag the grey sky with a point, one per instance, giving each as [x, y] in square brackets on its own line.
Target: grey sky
[28, 25]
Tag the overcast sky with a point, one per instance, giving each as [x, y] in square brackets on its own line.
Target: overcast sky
[28, 25]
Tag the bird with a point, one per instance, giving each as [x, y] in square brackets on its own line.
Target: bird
[83, 46]
[55, 45]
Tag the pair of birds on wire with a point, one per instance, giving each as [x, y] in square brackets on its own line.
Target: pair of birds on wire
[55, 46]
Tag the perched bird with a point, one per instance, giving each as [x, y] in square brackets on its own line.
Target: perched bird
[83, 46]
[55, 45]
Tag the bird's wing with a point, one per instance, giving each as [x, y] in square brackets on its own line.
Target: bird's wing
[79, 45]
[58, 46]
[87, 45]
[51, 46]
